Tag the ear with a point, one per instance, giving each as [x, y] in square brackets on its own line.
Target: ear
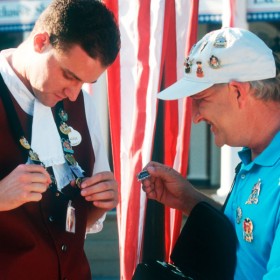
[41, 41]
[241, 90]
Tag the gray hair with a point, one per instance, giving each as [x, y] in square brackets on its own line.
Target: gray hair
[269, 89]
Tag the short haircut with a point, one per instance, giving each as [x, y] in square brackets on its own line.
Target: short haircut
[87, 23]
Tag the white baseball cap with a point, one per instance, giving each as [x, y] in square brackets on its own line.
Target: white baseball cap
[221, 56]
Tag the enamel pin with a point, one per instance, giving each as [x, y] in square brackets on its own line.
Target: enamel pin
[63, 115]
[254, 196]
[248, 230]
[67, 146]
[64, 128]
[220, 42]
[199, 71]
[214, 62]
[238, 215]
[24, 143]
[188, 65]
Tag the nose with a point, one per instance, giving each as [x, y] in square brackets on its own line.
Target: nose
[72, 92]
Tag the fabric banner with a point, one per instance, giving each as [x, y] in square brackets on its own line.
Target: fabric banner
[153, 36]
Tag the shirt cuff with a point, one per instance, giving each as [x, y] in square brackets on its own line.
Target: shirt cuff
[97, 226]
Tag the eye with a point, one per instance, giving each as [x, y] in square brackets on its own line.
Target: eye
[68, 76]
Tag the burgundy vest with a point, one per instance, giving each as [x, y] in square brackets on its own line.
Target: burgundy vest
[33, 240]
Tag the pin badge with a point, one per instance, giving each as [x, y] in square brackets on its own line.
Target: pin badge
[70, 158]
[214, 62]
[199, 71]
[238, 215]
[33, 156]
[24, 143]
[248, 230]
[220, 42]
[74, 137]
[188, 65]
[78, 182]
[254, 196]
[67, 146]
[70, 218]
[143, 175]
[63, 115]
[64, 128]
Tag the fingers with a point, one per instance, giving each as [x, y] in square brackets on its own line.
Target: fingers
[24, 184]
[101, 189]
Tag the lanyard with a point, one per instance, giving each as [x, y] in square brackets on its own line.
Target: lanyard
[237, 169]
[60, 118]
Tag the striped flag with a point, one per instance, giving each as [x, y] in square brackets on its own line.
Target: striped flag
[153, 35]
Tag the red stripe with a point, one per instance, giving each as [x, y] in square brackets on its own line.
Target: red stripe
[131, 218]
[232, 16]
[114, 93]
[169, 60]
[170, 114]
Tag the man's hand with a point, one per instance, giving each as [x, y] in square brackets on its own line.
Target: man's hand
[101, 189]
[25, 183]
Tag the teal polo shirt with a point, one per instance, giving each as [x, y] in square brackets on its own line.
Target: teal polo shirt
[254, 210]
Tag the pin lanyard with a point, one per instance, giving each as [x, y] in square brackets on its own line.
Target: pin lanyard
[61, 117]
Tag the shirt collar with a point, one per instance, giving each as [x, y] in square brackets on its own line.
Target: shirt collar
[269, 156]
[19, 91]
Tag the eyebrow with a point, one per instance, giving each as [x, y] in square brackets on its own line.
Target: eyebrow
[67, 71]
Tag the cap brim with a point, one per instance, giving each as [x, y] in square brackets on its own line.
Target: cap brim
[183, 88]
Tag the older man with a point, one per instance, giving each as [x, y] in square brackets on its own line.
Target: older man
[232, 78]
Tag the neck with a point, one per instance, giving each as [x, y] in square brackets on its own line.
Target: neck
[265, 127]
[18, 62]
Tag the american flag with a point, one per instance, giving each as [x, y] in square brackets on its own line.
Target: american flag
[156, 35]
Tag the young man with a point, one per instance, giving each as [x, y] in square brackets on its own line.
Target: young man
[55, 183]
[233, 80]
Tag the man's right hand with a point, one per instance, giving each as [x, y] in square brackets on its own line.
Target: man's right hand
[24, 184]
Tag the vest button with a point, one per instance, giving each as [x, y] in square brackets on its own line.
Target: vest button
[64, 248]
[51, 218]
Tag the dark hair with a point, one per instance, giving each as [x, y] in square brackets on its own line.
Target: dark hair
[87, 23]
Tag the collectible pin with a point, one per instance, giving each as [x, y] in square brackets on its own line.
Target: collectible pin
[24, 143]
[199, 71]
[70, 158]
[254, 196]
[78, 182]
[220, 42]
[67, 146]
[63, 115]
[70, 218]
[214, 62]
[143, 175]
[188, 65]
[33, 156]
[238, 215]
[64, 128]
[248, 230]
[74, 137]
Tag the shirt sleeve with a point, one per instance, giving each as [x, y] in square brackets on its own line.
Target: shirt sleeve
[101, 157]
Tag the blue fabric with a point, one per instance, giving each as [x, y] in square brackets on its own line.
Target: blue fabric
[260, 258]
